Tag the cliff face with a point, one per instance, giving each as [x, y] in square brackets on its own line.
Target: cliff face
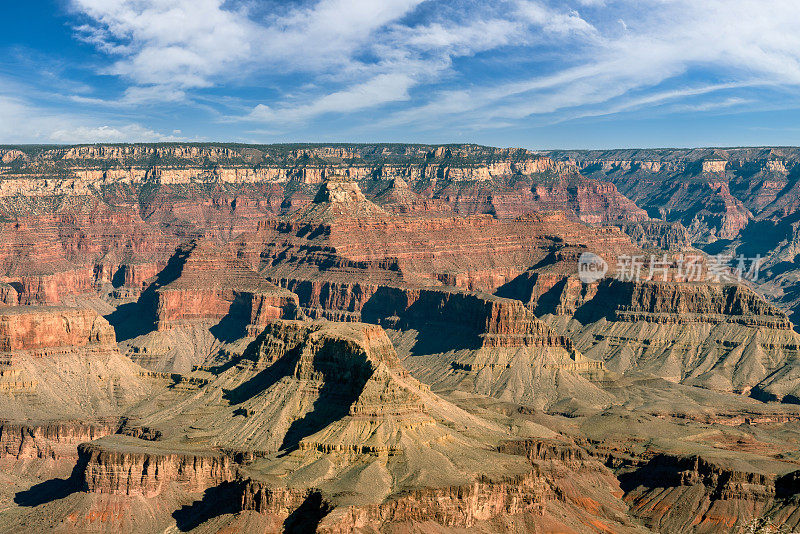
[732, 201]
[565, 490]
[62, 380]
[126, 468]
[671, 493]
[37, 329]
[8, 295]
[54, 440]
[78, 246]
[333, 239]
[658, 234]
[204, 283]
[76, 220]
[488, 388]
[675, 302]
[454, 507]
[723, 337]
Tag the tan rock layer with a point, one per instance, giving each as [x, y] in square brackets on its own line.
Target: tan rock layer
[53, 440]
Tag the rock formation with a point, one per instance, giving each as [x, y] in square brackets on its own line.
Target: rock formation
[62, 380]
[210, 285]
[364, 338]
[735, 202]
[305, 396]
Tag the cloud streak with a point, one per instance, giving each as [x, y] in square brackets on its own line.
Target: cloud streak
[430, 65]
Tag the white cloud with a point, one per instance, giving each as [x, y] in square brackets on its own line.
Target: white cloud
[22, 122]
[729, 102]
[554, 21]
[189, 44]
[182, 43]
[110, 134]
[573, 58]
[744, 42]
[382, 89]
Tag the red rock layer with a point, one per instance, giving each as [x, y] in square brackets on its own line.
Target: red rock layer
[566, 490]
[39, 329]
[211, 285]
[8, 295]
[76, 249]
[671, 492]
[474, 253]
[460, 506]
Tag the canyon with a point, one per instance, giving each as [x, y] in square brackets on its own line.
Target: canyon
[365, 338]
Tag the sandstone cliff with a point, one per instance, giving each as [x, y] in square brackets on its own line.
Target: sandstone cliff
[62, 380]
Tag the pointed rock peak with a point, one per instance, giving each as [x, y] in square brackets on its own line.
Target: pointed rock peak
[339, 189]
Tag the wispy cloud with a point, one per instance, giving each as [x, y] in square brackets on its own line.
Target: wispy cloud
[747, 43]
[435, 65]
[23, 122]
[725, 103]
[381, 89]
[111, 134]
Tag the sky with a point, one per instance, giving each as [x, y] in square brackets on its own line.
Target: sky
[537, 74]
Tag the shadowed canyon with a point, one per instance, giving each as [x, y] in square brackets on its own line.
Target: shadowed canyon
[398, 338]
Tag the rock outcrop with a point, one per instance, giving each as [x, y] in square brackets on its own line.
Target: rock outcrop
[735, 202]
[672, 493]
[209, 285]
[43, 331]
[62, 381]
[722, 337]
[122, 466]
[306, 395]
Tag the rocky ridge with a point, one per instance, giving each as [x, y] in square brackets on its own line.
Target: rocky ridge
[459, 376]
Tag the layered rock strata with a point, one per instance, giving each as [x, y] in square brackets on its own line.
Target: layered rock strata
[62, 380]
[210, 285]
[306, 395]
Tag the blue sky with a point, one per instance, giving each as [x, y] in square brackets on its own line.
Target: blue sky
[530, 73]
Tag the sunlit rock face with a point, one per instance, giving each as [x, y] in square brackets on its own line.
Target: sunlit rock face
[386, 338]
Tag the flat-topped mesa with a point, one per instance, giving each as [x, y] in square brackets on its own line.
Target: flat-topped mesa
[53, 440]
[339, 189]
[660, 295]
[209, 284]
[39, 330]
[62, 380]
[676, 302]
[129, 466]
[670, 302]
[720, 336]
